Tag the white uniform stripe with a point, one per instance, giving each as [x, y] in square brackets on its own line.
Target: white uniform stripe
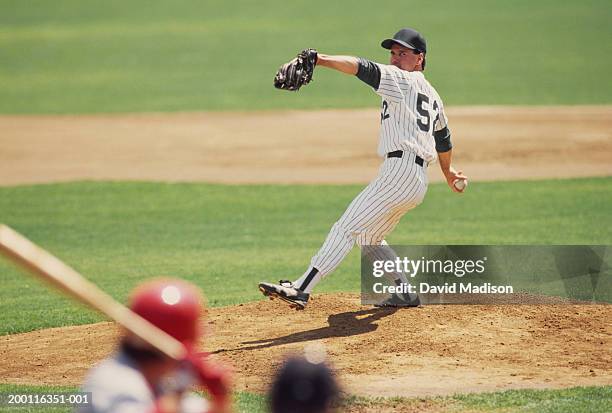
[374, 187]
[378, 234]
[390, 198]
[374, 207]
[381, 199]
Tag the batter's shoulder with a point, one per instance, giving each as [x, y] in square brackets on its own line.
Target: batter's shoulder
[115, 382]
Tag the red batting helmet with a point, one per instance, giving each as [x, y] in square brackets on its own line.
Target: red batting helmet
[173, 305]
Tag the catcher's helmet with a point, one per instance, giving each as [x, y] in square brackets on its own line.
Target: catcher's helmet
[173, 305]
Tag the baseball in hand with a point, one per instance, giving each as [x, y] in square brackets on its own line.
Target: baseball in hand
[460, 184]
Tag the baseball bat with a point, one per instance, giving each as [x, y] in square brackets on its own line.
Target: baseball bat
[41, 263]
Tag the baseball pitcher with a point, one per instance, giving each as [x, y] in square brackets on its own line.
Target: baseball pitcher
[413, 133]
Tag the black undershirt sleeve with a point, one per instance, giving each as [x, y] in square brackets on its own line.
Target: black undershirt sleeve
[443, 140]
[369, 72]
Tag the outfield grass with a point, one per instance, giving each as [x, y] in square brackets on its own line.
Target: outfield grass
[571, 400]
[226, 238]
[70, 56]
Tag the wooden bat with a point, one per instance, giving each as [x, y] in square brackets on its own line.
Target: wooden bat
[48, 267]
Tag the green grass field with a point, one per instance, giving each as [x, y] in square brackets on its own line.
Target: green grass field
[224, 238]
[572, 400]
[69, 56]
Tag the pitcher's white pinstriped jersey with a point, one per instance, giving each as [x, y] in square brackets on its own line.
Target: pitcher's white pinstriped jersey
[410, 108]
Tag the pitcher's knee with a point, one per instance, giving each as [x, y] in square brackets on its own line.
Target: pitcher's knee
[342, 231]
[368, 239]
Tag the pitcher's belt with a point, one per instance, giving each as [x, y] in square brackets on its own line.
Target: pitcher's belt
[398, 154]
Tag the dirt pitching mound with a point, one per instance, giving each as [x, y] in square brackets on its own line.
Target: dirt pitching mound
[434, 350]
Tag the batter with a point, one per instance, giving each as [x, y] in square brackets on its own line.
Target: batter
[413, 133]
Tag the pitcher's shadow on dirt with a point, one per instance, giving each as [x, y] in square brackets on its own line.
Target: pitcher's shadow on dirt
[346, 324]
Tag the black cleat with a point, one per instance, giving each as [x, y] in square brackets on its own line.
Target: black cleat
[401, 300]
[285, 290]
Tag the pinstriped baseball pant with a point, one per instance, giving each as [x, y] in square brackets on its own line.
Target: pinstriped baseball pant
[400, 186]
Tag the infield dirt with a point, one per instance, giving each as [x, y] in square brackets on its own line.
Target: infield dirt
[332, 146]
[434, 350]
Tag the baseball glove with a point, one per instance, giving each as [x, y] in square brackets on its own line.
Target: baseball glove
[298, 72]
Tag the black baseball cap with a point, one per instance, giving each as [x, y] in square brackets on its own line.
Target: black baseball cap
[409, 38]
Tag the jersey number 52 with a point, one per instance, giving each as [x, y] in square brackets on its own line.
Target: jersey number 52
[422, 106]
